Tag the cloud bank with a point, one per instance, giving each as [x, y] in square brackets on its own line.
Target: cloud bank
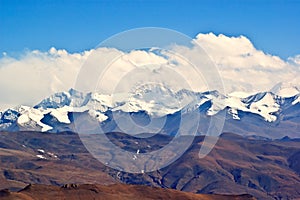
[243, 68]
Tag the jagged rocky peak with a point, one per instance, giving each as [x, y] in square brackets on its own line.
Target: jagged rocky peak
[155, 100]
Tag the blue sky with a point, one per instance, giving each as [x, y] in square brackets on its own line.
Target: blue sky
[273, 26]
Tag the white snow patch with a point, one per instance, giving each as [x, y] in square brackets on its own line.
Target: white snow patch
[52, 155]
[97, 115]
[134, 157]
[41, 151]
[61, 114]
[297, 100]
[234, 113]
[218, 104]
[23, 119]
[104, 100]
[265, 107]
[31, 114]
[41, 156]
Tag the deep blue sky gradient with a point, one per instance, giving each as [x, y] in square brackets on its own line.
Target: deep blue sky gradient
[273, 26]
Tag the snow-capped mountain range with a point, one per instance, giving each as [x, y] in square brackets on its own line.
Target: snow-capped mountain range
[155, 101]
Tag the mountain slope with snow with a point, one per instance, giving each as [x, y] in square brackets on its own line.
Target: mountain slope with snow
[156, 101]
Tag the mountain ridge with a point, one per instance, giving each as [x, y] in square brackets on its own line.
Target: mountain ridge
[154, 101]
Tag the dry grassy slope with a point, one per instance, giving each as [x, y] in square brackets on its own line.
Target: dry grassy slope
[237, 165]
[264, 169]
[19, 165]
[111, 192]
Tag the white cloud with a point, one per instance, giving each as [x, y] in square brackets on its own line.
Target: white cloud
[36, 74]
[245, 68]
[295, 60]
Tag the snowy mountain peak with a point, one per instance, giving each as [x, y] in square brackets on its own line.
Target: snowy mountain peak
[71, 98]
[31, 117]
[74, 92]
[265, 104]
[155, 100]
[56, 100]
[9, 116]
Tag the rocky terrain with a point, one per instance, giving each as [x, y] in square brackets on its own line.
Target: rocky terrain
[263, 168]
